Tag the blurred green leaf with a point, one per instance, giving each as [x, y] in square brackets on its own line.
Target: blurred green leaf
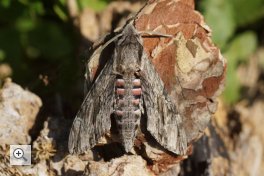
[61, 14]
[24, 24]
[14, 11]
[49, 40]
[2, 55]
[232, 85]
[239, 50]
[10, 44]
[63, 2]
[224, 17]
[96, 5]
[32, 52]
[247, 11]
[242, 46]
[26, 2]
[219, 15]
[261, 57]
[37, 8]
[5, 3]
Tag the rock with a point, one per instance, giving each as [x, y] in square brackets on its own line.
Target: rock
[73, 165]
[127, 165]
[247, 151]
[18, 110]
[89, 27]
[5, 71]
[209, 156]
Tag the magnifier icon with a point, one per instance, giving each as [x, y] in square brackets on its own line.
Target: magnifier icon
[18, 153]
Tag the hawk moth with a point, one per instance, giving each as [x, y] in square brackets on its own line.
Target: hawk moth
[126, 83]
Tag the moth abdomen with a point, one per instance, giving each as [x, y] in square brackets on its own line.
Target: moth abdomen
[127, 132]
[127, 111]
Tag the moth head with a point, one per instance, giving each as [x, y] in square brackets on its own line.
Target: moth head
[130, 35]
[130, 29]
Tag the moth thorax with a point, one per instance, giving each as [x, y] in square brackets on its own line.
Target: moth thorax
[128, 70]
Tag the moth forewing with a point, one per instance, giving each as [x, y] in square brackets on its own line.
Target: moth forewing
[93, 119]
[163, 119]
[73, 134]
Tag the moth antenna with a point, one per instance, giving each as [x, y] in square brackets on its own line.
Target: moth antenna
[154, 34]
[87, 78]
[105, 45]
[133, 18]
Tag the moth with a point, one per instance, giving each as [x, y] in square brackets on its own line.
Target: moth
[128, 83]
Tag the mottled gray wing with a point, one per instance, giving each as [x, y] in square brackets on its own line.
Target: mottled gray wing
[93, 119]
[163, 120]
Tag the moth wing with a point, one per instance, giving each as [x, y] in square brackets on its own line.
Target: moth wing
[163, 120]
[93, 118]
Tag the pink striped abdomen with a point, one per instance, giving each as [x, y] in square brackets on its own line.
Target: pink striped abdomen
[127, 109]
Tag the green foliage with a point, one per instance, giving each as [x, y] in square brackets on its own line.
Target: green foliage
[241, 47]
[238, 51]
[226, 17]
[52, 44]
[247, 11]
[60, 11]
[9, 43]
[219, 15]
[37, 38]
[5, 3]
[261, 58]
[97, 5]
[2, 55]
